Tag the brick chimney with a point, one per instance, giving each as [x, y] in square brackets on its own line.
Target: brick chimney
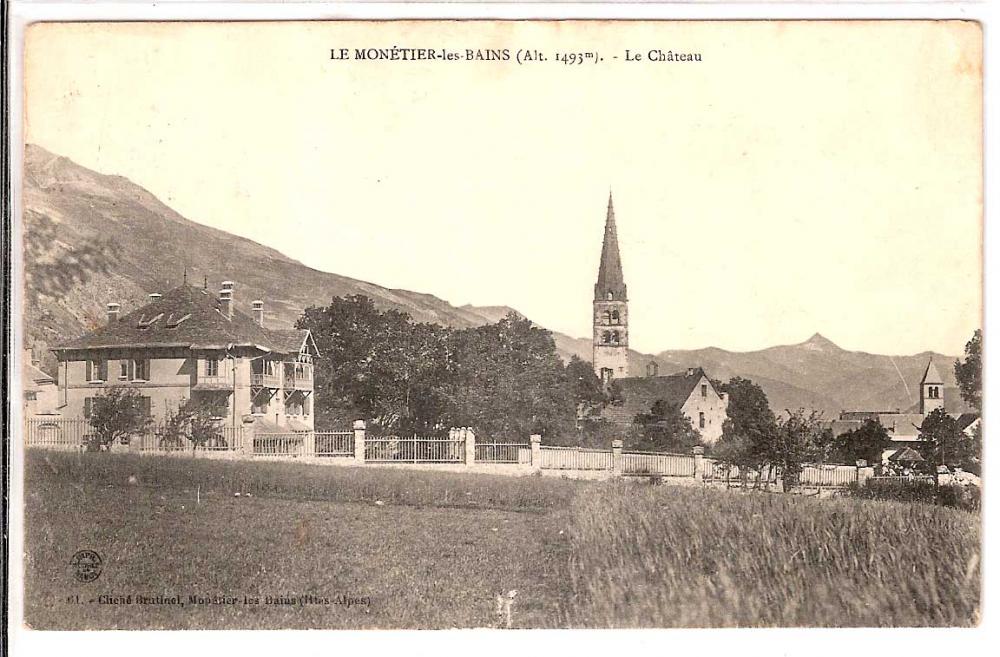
[258, 312]
[226, 303]
[113, 310]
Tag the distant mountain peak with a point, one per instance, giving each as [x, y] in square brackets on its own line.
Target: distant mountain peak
[818, 342]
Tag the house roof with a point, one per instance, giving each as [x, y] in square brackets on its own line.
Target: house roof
[965, 420]
[640, 393]
[32, 377]
[931, 374]
[609, 276]
[906, 454]
[902, 426]
[187, 317]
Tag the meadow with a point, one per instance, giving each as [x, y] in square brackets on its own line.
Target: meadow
[272, 545]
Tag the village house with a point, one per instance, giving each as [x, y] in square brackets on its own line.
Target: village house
[41, 396]
[190, 344]
[904, 427]
[691, 390]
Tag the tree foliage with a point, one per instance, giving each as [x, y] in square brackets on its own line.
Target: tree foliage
[749, 429]
[504, 379]
[663, 428]
[867, 443]
[941, 442]
[969, 373]
[116, 415]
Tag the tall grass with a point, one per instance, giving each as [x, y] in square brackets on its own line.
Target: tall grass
[303, 481]
[678, 557]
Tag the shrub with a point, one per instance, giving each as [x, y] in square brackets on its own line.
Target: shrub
[918, 490]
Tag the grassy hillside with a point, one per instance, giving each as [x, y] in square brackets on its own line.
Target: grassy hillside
[432, 550]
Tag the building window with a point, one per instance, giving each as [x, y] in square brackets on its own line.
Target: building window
[140, 369]
[701, 420]
[211, 367]
[145, 406]
[30, 395]
[123, 370]
[615, 317]
[97, 370]
[306, 403]
[88, 406]
[704, 390]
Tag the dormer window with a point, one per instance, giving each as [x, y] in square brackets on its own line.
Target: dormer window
[146, 323]
[174, 323]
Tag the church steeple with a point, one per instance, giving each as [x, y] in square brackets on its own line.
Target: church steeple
[610, 280]
[931, 389]
[610, 307]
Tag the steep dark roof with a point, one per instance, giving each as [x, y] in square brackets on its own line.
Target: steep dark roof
[640, 393]
[966, 419]
[609, 276]
[931, 374]
[188, 317]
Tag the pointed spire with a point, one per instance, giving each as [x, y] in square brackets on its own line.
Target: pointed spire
[609, 277]
[931, 374]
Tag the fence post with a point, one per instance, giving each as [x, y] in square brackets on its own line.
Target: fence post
[470, 446]
[309, 444]
[699, 462]
[359, 441]
[247, 434]
[536, 452]
[616, 457]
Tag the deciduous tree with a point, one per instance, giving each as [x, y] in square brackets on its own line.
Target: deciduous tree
[969, 373]
[116, 415]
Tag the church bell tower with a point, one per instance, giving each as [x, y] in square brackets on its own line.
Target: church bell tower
[610, 308]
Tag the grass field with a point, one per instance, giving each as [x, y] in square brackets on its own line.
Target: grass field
[360, 548]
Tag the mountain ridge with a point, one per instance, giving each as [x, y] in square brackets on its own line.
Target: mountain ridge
[93, 238]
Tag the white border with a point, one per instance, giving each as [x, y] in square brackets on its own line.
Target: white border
[808, 642]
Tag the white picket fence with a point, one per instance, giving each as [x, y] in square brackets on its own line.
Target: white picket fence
[575, 458]
[334, 443]
[836, 476]
[503, 453]
[416, 449]
[55, 432]
[658, 463]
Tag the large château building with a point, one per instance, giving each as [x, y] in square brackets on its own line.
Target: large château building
[190, 344]
[691, 390]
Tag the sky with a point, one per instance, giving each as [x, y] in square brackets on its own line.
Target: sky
[801, 178]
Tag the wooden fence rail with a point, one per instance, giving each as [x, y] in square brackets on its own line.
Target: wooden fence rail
[392, 449]
[656, 463]
[334, 443]
[575, 458]
[503, 453]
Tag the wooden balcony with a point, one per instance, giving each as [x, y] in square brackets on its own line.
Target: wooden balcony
[300, 381]
[265, 380]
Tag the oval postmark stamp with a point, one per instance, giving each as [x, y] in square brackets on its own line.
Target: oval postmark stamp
[86, 565]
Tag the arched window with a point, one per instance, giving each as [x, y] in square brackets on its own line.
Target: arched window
[611, 295]
[606, 337]
[615, 337]
[607, 316]
[614, 317]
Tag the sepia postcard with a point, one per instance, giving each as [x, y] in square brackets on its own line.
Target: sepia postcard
[508, 324]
